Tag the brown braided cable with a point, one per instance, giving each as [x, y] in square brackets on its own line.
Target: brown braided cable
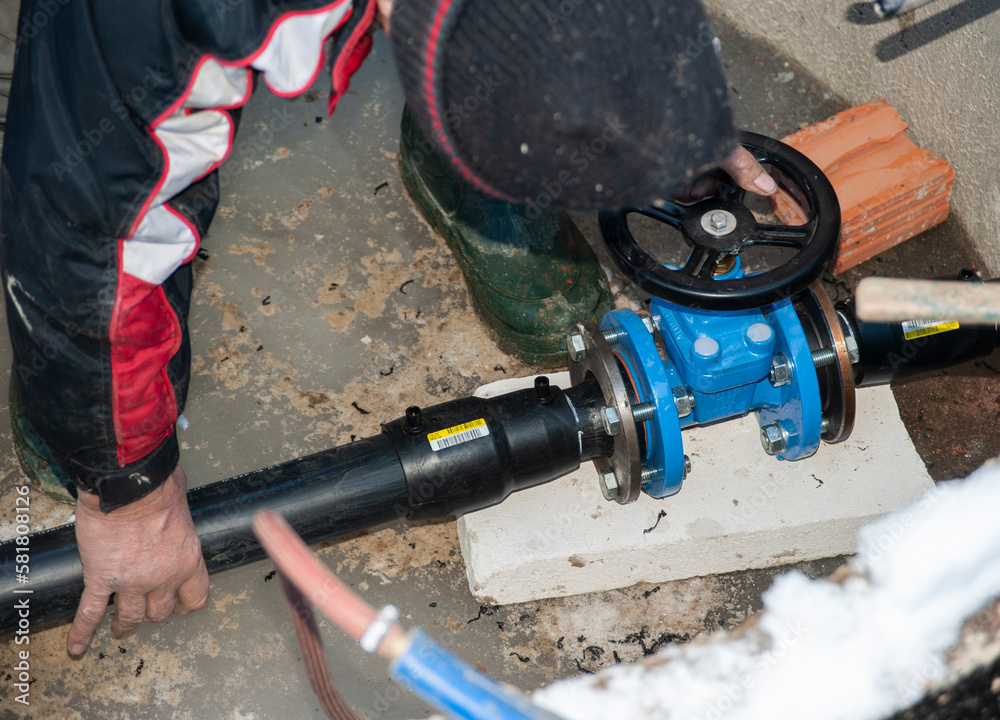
[313, 655]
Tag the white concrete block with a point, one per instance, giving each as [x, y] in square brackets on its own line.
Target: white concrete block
[739, 509]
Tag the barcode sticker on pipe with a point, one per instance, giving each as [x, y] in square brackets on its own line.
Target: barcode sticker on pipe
[459, 434]
[913, 329]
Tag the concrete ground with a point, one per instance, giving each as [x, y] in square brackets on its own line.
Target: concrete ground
[324, 306]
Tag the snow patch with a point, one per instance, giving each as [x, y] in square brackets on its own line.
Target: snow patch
[859, 650]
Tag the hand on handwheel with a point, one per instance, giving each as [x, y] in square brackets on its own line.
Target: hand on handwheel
[721, 226]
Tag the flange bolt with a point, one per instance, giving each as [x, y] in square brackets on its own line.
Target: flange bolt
[612, 421]
[576, 347]
[824, 357]
[683, 401]
[613, 335]
[643, 412]
[773, 438]
[609, 485]
[781, 371]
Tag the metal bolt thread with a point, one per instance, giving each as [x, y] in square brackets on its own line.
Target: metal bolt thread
[647, 474]
[643, 412]
[824, 356]
[612, 335]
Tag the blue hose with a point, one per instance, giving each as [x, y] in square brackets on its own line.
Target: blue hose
[456, 688]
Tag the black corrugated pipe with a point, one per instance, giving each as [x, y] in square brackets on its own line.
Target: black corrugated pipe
[433, 463]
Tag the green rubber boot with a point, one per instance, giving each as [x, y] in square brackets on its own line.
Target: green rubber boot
[531, 279]
[34, 455]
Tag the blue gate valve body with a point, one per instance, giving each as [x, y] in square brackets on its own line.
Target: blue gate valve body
[714, 366]
[721, 341]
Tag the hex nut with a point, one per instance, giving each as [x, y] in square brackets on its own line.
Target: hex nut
[781, 371]
[683, 400]
[853, 351]
[772, 439]
[609, 485]
[648, 322]
[576, 347]
[718, 222]
[612, 421]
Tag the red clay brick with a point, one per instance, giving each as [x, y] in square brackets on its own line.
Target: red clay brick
[889, 189]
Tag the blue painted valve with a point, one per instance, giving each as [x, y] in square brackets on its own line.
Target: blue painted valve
[721, 340]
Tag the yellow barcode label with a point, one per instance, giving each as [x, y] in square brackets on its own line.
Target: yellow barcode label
[458, 434]
[913, 329]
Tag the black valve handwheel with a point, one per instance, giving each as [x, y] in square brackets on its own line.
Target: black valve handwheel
[720, 227]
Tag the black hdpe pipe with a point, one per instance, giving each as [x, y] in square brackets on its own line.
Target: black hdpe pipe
[422, 466]
[893, 351]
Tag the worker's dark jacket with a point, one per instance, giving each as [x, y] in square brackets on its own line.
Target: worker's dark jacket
[120, 112]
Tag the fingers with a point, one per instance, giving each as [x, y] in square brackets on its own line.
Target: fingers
[748, 173]
[130, 610]
[159, 605]
[193, 593]
[93, 603]
[147, 552]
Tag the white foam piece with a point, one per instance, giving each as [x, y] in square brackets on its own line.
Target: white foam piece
[738, 509]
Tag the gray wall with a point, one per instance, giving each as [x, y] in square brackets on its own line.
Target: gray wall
[946, 86]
